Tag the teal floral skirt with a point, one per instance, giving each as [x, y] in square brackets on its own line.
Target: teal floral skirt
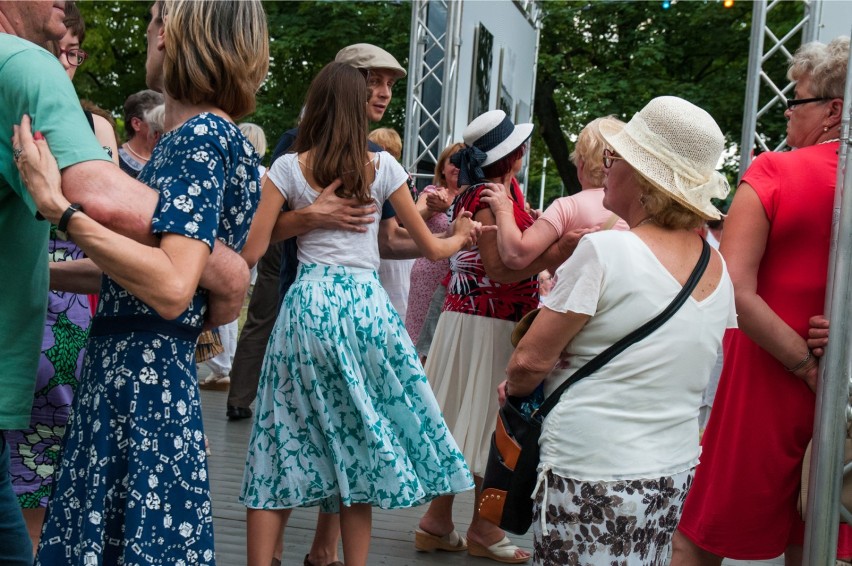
[344, 411]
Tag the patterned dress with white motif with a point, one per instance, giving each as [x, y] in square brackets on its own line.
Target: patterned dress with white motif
[132, 486]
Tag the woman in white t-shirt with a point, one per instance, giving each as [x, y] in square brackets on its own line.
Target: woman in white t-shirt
[344, 413]
[619, 450]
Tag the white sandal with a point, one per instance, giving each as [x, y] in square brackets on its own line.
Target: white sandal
[501, 551]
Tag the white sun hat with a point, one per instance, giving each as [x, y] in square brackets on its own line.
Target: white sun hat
[495, 134]
[676, 146]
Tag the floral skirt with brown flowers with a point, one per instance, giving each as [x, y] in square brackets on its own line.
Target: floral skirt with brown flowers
[607, 523]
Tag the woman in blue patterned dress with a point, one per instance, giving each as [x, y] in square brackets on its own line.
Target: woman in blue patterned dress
[132, 486]
[345, 414]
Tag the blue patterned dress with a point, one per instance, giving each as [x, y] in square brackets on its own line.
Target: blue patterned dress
[344, 411]
[132, 484]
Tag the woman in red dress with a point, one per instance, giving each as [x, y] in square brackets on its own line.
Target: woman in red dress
[743, 503]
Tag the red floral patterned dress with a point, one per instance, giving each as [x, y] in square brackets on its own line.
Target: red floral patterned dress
[469, 289]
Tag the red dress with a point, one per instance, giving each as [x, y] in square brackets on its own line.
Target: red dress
[743, 502]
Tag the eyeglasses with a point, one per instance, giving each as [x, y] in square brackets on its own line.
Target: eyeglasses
[609, 157]
[793, 102]
[75, 56]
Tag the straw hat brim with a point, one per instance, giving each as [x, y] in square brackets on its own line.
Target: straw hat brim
[518, 137]
[616, 136]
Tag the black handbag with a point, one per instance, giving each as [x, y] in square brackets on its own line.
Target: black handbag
[511, 472]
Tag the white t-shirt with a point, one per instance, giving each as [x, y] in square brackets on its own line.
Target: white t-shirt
[637, 417]
[337, 247]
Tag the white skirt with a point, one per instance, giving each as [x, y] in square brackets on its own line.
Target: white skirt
[466, 363]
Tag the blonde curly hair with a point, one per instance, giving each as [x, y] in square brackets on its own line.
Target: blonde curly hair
[826, 65]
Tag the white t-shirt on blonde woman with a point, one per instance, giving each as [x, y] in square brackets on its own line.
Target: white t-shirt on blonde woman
[337, 247]
[637, 417]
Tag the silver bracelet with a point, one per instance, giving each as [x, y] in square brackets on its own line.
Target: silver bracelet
[801, 364]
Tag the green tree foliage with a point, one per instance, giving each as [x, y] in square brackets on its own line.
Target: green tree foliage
[596, 58]
[611, 57]
[304, 36]
[115, 42]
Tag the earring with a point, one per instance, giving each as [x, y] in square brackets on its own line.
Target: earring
[642, 199]
[825, 128]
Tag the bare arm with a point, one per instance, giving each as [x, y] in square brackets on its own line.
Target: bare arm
[126, 206]
[106, 135]
[226, 277]
[555, 255]
[111, 197]
[395, 242]
[165, 278]
[77, 276]
[264, 222]
[517, 249]
[432, 247]
[540, 348]
[746, 233]
[423, 207]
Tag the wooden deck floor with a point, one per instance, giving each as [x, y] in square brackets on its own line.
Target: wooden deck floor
[393, 531]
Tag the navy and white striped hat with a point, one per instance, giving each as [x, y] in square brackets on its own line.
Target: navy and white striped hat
[494, 133]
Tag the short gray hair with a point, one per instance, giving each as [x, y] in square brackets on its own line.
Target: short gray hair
[826, 65]
[255, 135]
[155, 117]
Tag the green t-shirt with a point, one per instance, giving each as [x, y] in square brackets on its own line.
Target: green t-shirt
[31, 82]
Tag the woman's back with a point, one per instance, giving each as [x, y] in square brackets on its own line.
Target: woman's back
[337, 247]
[643, 403]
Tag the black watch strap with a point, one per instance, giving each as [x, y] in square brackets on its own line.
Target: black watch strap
[66, 216]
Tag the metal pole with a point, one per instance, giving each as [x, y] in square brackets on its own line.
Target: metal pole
[755, 58]
[415, 72]
[827, 456]
[543, 173]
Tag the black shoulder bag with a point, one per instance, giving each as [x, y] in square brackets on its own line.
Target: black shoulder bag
[512, 470]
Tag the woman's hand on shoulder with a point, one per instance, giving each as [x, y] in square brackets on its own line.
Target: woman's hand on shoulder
[496, 196]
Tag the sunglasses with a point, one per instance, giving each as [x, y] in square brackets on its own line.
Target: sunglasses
[793, 102]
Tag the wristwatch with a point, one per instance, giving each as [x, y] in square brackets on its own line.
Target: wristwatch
[62, 226]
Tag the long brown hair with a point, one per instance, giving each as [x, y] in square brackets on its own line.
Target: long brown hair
[334, 127]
